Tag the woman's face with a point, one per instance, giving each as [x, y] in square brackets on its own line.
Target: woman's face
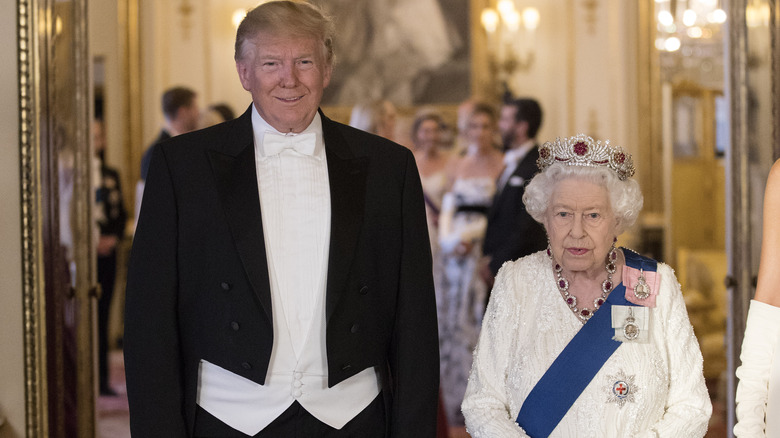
[428, 134]
[480, 130]
[386, 125]
[580, 224]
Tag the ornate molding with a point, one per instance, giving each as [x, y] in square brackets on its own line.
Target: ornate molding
[591, 14]
[186, 9]
[32, 277]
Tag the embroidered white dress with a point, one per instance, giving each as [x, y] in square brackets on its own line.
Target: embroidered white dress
[460, 292]
[527, 325]
[434, 186]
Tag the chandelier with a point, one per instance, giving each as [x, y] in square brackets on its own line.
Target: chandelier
[690, 41]
[680, 22]
[510, 39]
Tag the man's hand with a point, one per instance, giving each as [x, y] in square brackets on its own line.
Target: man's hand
[106, 245]
[485, 273]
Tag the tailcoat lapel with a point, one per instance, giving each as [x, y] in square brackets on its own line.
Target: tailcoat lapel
[235, 173]
[347, 175]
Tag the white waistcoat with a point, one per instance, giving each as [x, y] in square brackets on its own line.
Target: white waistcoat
[248, 407]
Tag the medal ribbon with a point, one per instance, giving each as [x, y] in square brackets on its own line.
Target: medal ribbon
[578, 363]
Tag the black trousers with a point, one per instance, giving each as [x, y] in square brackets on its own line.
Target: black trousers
[106, 270]
[296, 422]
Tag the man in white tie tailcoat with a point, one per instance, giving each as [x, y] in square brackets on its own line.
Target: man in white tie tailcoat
[280, 279]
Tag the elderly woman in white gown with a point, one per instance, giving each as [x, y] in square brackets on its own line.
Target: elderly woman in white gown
[585, 339]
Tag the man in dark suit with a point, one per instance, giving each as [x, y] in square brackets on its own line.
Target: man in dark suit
[181, 112]
[280, 280]
[511, 232]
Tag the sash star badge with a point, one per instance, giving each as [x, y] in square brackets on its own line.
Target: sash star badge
[621, 388]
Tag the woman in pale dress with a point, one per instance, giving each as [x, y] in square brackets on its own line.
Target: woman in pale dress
[460, 292]
[759, 374]
[377, 117]
[585, 339]
[434, 165]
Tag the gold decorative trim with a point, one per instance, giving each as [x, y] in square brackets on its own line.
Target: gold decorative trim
[739, 245]
[85, 253]
[32, 253]
[591, 15]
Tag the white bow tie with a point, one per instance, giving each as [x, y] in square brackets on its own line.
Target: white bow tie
[274, 143]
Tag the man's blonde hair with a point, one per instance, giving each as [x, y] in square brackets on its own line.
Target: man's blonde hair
[287, 18]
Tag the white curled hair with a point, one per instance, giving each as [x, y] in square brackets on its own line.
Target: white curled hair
[625, 196]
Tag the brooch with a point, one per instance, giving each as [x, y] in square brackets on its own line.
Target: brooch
[630, 328]
[621, 388]
[631, 324]
[641, 289]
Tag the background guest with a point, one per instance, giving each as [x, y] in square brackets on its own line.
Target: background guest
[511, 232]
[216, 113]
[434, 166]
[182, 114]
[460, 291]
[377, 117]
[111, 220]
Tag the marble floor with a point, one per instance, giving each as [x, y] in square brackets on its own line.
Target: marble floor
[113, 415]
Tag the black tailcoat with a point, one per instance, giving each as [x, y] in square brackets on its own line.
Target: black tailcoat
[198, 284]
[511, 232]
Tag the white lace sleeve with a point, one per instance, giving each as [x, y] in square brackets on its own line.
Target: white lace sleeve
[486, 406]
[688, 406]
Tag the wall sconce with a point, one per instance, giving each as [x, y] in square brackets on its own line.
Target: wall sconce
[238, 17]
[510, 38]
[186, 10]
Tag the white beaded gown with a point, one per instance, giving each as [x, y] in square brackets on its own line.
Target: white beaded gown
[460, 292]
[527, 325]
[434, 186]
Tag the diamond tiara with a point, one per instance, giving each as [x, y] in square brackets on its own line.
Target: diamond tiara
[582, 150]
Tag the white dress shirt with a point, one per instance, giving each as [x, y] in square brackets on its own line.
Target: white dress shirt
[512, 158]
[295, 204]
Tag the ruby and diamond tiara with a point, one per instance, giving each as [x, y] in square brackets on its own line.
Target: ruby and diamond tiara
[582, 150]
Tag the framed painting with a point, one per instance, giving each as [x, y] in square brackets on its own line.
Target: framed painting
[410, 52]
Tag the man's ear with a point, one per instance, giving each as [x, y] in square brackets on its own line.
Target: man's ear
[244, 74]
[326, 75]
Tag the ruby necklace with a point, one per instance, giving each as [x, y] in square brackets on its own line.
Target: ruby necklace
[585, 313]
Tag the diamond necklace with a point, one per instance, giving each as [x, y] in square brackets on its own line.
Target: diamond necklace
[563, 285]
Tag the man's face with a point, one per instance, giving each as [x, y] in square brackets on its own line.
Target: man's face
[286, 76]
[506, 123]
[98, 136]
[190, 115]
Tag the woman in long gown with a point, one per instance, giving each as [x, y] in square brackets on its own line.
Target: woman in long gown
[460, 292]
[758, 391]
[586, 339]
[434, 165]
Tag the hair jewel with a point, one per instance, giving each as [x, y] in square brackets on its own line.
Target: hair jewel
[582, 150]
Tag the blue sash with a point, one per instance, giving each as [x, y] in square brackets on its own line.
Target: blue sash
[577, 364]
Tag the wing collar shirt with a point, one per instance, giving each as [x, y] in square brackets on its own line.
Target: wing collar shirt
[295, 204]
[512, 158]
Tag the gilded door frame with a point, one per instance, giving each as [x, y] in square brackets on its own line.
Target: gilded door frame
[740, 244]
[38, 24]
